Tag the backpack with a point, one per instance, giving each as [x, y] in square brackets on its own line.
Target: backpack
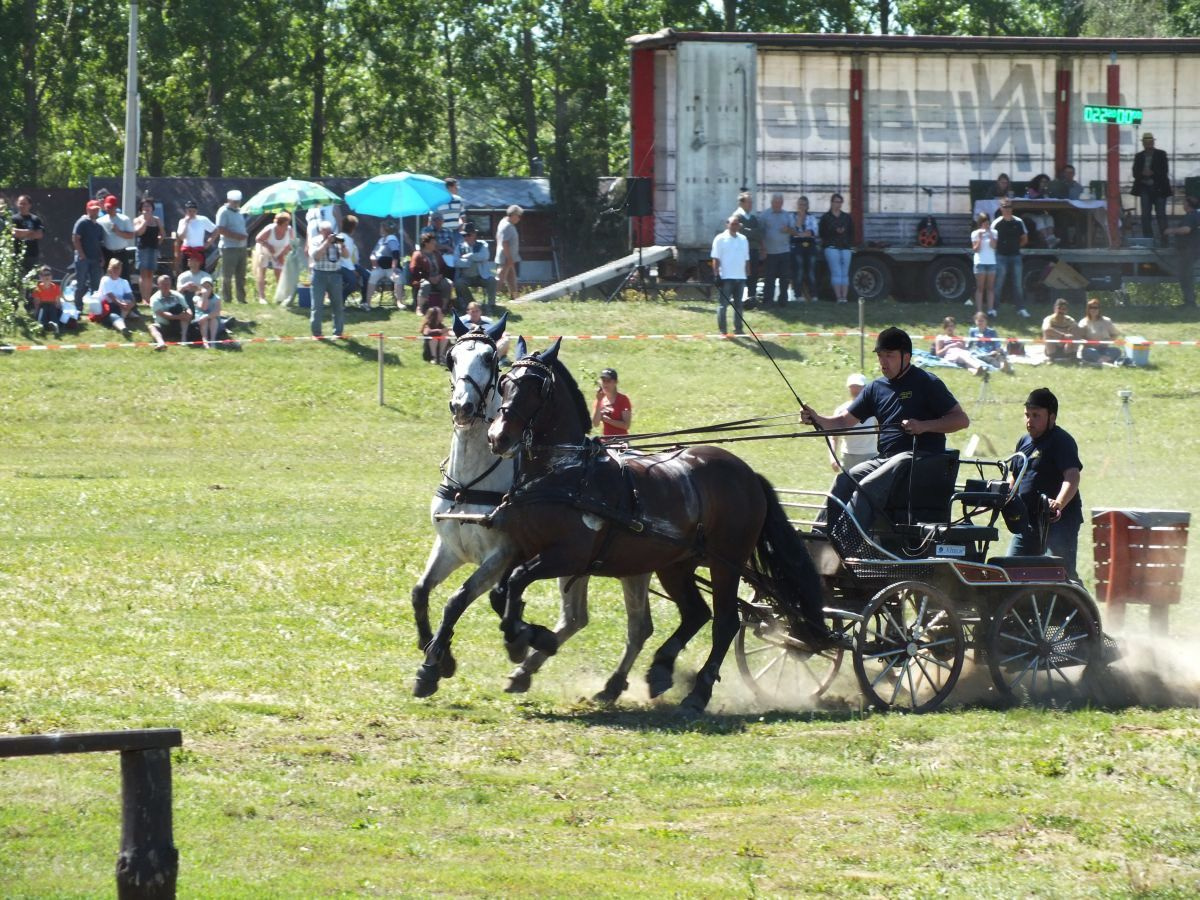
[927, 232]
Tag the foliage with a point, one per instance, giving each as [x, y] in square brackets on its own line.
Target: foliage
[12, 282]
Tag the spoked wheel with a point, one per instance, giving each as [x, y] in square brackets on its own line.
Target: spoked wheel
[910, 648]
[776, 666]
[1041, 644]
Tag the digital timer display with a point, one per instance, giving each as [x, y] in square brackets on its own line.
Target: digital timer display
[1112, 115]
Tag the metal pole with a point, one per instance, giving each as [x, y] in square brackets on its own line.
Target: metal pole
[862, 337]
[129, 179]
[380, 336]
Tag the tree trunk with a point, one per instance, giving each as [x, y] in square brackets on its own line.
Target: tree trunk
[885, 16]
[157, 129]
[316, 157]
[213, 148]
[31, 124]
[451, 96]
[731, 15]
[528, 66]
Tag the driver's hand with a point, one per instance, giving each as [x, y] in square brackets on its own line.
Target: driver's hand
[913, 426]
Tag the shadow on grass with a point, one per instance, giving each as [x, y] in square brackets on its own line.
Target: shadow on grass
[674, 719]
[367, 350]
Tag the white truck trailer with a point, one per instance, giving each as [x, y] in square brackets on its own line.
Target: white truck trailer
[903, 125]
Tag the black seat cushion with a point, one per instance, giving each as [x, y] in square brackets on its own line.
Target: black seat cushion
[930, 486]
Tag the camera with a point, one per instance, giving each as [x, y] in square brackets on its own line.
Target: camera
[1125, 395]
[338, 239]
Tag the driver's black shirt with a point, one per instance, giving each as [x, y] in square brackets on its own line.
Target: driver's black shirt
[914, 395]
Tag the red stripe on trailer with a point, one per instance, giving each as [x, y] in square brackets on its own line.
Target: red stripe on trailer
[1113, 138]
[857, 149]
[1062, 115]
[641, 126]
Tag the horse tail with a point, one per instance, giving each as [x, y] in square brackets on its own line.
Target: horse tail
[783, 562]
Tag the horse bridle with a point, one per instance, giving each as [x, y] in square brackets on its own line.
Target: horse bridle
[493, 381]
[545, 393]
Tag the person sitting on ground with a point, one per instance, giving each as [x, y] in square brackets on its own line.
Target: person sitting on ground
[436, 290]
[421, 265]
[189, 282]
[116, 298]
[435, 347]
[612, 409]
[1096, 327]
[953, 348]
[476, 319]
[47, 301]
[208, 312]
[172, 315]
[984, 342]
[1065, 187]
[1059, 332]
[1038, 188]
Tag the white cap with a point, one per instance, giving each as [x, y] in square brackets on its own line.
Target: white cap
[235, 195]
[857, 378]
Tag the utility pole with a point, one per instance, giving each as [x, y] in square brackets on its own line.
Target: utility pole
[132, 120]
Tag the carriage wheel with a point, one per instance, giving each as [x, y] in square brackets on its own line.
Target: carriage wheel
[1041, 644]
[910, 648]
[775, 665]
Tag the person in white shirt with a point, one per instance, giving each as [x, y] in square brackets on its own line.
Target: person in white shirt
[853, 449]
[731, 257]
[354, 276]
[983, 243]
[118, 235]
[192, 235]
[233, 238]
[117, 294]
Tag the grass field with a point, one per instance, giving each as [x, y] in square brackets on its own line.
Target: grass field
[225, 541]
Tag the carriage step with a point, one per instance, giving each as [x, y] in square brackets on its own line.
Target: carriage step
[842, 613]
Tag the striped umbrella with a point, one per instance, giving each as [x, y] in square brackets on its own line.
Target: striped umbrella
[288, 195]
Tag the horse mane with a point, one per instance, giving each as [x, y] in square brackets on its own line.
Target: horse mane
[566, 380]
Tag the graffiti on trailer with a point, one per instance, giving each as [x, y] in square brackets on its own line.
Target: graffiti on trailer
[989, 123]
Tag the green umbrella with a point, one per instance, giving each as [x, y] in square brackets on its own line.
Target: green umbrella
[288, 195]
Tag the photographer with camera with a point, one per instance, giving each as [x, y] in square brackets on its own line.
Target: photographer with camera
[326, 250]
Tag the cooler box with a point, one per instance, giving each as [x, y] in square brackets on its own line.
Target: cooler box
[1138, 349]
[304, 296]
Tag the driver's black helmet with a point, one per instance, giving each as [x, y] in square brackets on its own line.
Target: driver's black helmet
[894, 338]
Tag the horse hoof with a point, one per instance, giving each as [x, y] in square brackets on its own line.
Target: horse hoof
[518, 648]
[518, 682]
[613, 688]
[659, 680]
[693, 705]
[543, 639]
[426, 683]
[448, 666]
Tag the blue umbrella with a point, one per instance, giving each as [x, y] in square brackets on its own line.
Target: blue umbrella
[399, 194]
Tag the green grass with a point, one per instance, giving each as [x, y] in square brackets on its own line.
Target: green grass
[224, 542]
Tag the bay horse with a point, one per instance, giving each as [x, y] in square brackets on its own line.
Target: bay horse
[473, 483]
[666, 513]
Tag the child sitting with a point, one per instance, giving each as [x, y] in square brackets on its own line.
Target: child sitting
[433, 329]
[47, 301]
[208, 312]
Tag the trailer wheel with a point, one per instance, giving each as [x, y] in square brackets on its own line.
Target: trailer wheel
[948, 280]
[871, 278]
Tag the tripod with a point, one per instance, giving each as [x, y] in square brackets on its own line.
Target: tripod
[1125, 417]
[638, 271]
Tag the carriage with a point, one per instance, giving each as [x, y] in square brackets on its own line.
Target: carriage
[922, 594]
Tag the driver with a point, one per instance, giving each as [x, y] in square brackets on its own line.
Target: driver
[915, 411]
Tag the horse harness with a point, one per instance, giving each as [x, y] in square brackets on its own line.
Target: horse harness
[454, 491]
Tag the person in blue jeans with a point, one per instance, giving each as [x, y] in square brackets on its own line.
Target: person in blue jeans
[836, 229]
[1011, 236]
[1054, 470]
[325, 251]
[804, 253]
[87, 237]
[730, 259]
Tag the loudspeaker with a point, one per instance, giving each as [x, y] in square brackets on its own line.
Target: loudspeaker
[640, 199]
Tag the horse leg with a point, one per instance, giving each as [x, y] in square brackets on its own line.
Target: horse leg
[519, 635]
[430, 671]
[437, 569]
[680, 584]
[573, 616]
[725, 628]
[638, 628]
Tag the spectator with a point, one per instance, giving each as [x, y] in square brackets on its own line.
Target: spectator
[1002, 189]
[47, 301]
[508, 250]
[456, 207]
[1096, 327]
[983, 243]
[421, 266]
[1152, 182]
[172, 315]
[984, 342]
[1038, 188]
[837, 237]
[853, 449]
[473, 268]
[433, 329]
[1043, 225]
[1065, 187]
[28, 231]
[325, 251]
[1011, 236]
[385, 264]
[354, 276]
[88, 239]
[436, 290]
[208, 312]
[749, 229]
[232, 242]
[1059, 330]
[804, 253]
[612, 409]
[192, 235]
[731, 259]
[316, 216]
[778, 226]
[189, 282]
[118, 235]
[445, 237]
[274, 243]
[116, 299]
[476, 318]
[147, 230]
[951, 347]
[1187, 235]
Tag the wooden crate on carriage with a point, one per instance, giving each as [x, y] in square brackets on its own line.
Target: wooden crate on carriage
[1139, 556]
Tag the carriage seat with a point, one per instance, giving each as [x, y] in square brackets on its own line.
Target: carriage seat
[933, 476]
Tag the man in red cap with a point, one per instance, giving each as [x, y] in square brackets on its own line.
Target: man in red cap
[88, 239]
[118, 234]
